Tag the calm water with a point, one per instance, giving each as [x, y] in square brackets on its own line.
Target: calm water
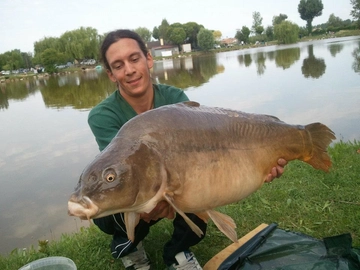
[45, 141]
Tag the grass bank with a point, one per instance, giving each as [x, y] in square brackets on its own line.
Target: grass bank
[303, 200]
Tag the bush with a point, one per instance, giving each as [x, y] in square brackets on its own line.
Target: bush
[286, 32]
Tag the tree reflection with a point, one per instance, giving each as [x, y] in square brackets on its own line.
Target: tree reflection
[313, 67]
[285, 58]
[73, 93]
[245, 60]
[16, 90]
[356, 55]
[260, 63]
[187, 72]
[335, 48]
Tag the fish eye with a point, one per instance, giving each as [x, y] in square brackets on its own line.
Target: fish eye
[109, 175]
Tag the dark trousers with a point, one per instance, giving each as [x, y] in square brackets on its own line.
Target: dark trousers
[182, 238]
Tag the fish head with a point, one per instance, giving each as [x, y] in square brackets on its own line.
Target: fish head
[105, 187]
[118, 181]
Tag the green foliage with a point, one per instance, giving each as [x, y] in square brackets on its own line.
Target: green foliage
[144, 33]
[51, 57]
[269, 32]
[286, 32]
[243, 34]
[279, 19]
[309, 9]
[163, 29]
[355, 12]
[156, 33]
[176, 34]
[334, 21]
[205, 39]
[257, 22]
[259, 30]
[192, 29]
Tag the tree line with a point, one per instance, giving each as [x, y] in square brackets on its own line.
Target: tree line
[84, 43]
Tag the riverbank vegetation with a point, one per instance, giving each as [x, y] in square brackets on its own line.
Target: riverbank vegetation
[303, 200]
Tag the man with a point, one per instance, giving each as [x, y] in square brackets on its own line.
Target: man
[128, 65]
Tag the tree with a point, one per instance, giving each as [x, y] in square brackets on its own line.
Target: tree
[286, 32]
[269, 32]
[309, 9]
[51, 57]
[334, 22]
[177, 35]
[217, 35]
[257, 23]
[163, 28]
[144, 33]
[205, 39]
[243, 34]
[192, 29]
[279, 19]
[156, 33]
[355, 12]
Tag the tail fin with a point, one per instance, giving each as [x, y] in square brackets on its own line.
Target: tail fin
[321, 137]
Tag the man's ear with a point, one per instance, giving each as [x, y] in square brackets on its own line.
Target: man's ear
[150, 60]
[111, 75]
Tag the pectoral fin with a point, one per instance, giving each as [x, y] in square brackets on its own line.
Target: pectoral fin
[131, 220]
[192, 225]
[224, 223]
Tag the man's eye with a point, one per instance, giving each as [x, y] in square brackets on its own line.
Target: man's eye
[135, 59]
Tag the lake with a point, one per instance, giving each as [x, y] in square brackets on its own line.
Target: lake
[46, 142]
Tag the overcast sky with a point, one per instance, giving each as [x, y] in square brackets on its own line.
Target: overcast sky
[24, 22]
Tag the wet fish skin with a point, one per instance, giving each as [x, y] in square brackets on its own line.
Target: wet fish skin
[195, 157]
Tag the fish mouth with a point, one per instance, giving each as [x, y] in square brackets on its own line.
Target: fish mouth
[83, 208]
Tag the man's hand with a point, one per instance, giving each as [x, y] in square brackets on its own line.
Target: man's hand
[276, 171]
[161, 210]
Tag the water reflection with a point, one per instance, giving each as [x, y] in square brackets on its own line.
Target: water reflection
[313, 67]
[188, 71]
[356, 55]
[335, 48]
[287, 57]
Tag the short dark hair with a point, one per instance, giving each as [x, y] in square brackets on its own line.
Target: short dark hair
[116, 35]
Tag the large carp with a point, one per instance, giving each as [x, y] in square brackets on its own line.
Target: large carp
[196, 158]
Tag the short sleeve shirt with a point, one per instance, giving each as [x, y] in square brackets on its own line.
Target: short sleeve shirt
[106, 118]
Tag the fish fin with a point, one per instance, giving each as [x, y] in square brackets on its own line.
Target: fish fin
[191, 103]
[191, 224]
[321, 137]
[131, 220]
[224, 223]
[204, 216]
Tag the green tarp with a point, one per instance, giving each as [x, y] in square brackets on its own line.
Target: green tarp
[277, 249]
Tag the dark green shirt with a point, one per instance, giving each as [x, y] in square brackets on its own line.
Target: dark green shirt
[106, 118]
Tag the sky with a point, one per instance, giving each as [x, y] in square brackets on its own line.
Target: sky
[22, 23]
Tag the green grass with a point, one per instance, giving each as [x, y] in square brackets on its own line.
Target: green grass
[303, 200]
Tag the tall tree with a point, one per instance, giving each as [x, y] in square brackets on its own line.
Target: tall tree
[176, 35]
[355, 12]
[279, 19]
[286, 32]
[156, 33]
[192, 29]
[205, 39]
[334, 21]
[257, 23]
[163, 29]
[243, 34]
[309, 9]
[144, 33]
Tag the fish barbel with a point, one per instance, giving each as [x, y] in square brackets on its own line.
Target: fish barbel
[197, 158]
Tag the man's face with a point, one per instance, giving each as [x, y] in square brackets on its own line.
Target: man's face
[129, 67]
